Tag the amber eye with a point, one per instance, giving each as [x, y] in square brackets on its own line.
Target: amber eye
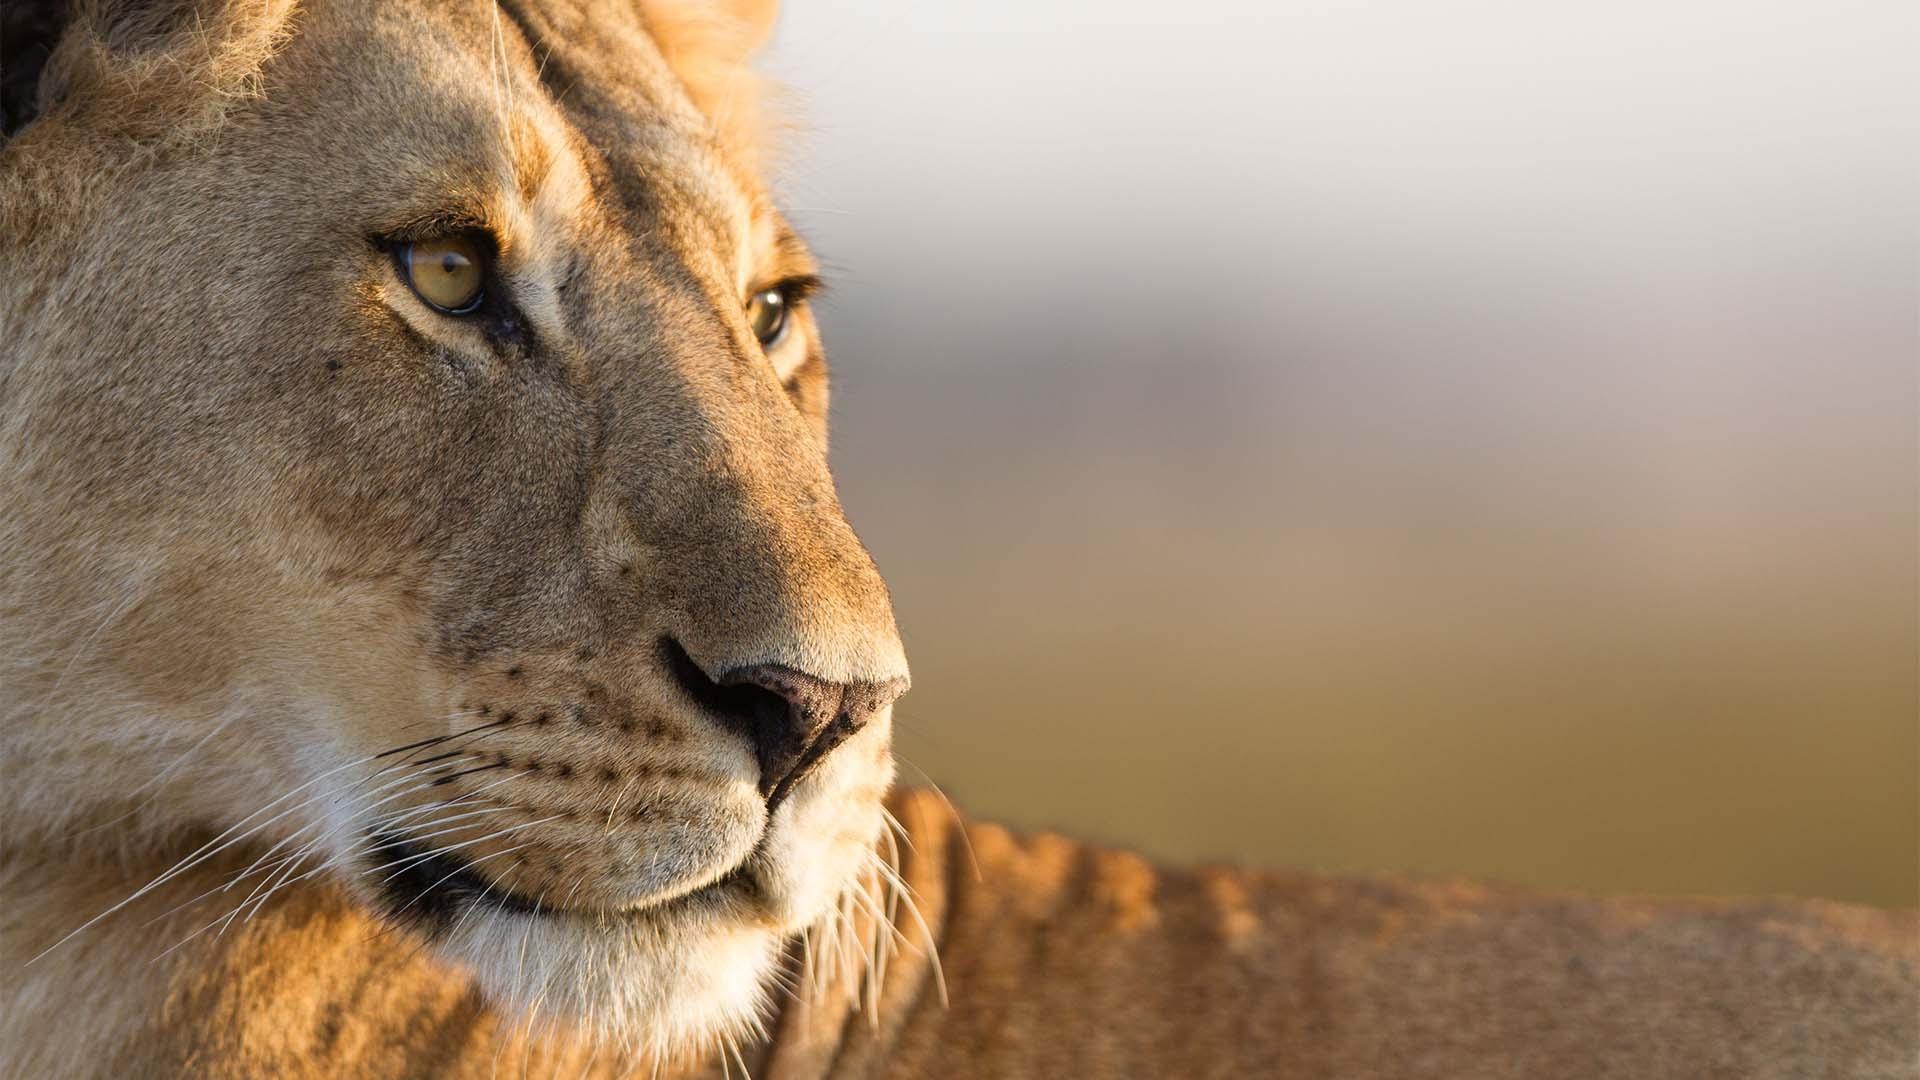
[448, 272]
[767, 314]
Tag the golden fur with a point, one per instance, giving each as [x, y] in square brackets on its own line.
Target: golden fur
[1059, 959]
[295, 563]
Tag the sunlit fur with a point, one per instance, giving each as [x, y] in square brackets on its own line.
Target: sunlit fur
[290, 558]
[296, 563]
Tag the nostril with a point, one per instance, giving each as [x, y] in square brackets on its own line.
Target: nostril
[792, 719]
[764, 714]
[728, 702]
[742, 707]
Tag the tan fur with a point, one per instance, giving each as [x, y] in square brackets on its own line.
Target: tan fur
[270, 518]
[1058, 959]
[291, 556]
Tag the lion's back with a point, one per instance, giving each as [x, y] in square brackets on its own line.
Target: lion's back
[1065, 959]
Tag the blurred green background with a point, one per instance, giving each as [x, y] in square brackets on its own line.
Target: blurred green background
[1459, 439]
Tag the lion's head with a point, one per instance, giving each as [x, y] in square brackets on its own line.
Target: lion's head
[412, 468]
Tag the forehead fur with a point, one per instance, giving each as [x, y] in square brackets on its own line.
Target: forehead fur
[132, 82]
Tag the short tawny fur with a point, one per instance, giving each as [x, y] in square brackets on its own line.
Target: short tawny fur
[294, 562]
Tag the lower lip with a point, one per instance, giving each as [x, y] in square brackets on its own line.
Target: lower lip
[433, 885]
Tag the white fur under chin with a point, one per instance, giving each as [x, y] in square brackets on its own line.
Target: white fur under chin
[655, 991]
[683, 979]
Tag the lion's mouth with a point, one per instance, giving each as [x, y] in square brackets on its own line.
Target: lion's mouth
[420, 885]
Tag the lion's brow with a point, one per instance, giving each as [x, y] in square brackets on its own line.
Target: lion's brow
[531, 158]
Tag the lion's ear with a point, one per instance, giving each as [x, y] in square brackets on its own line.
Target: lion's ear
[141, 68]
[709, 34]
[29, 32]
[710, 45]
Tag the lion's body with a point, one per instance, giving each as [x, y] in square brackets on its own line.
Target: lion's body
[1063, 959]
[392, 687]
[1059, 959]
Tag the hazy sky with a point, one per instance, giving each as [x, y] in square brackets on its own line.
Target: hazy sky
[1405, 398]
[1203, 157]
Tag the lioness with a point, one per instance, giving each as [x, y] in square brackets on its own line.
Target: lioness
[432, 645]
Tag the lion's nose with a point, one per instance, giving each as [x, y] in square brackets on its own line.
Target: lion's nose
[793, 719]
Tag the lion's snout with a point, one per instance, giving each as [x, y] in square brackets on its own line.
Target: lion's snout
[792, 719]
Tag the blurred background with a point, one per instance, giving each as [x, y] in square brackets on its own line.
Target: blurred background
[1459, 438]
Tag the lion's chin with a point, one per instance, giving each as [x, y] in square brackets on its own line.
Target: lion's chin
[656, 984]
[677, 977]
[666, 982]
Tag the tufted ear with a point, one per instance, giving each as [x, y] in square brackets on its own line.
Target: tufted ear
[140, 68]
[710, 44]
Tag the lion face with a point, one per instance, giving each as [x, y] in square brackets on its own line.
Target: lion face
[422, 477]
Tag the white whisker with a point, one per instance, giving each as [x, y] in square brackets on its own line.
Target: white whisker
[402, 864]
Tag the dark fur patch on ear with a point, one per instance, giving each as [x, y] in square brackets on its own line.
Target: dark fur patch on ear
[29, 32]
[99, 86]
[32, 31]
[139, 69]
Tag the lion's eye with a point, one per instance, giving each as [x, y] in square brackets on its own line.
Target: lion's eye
[448, 273]
[767, 314]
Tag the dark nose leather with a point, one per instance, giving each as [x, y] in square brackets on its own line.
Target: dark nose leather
[793, 719]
